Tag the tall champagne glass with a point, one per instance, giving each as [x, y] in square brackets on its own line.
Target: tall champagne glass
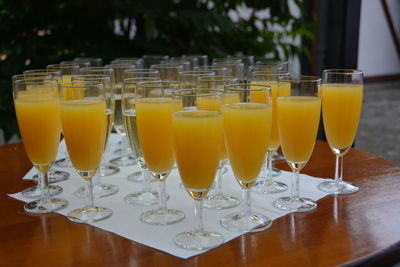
[105, 168]
[217, 199]
[145, 196]
[298, 120]
[100, 189]
[198, 136]
[168, 72]
[138, 62]
[149, 60]
[267, 185]
[235, 67]
[84, 122]
[67, 71]
[219, 70]
[53, 175]
[94, 61]
[139, 73]
[125, 158]
[154, 108]
[342, 92]
[38, 115]
[247, 129]
[188, 79]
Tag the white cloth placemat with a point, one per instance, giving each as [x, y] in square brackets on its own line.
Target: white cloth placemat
[125, 219]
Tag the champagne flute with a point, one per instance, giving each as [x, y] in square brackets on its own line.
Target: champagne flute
[247, 129]
[217, 199]
[188, 79]
[269, 63]
[81, 63]
[235, 67]
[100, 189]
[125, 158]
[38, 115]
[342, 93]
[94, 61]
[219, 70]
[267, 185]
[198, 136]
[105, 169]
[197, 60]
[154, 108]
[84, 122]
[67, 71]
[146, 196]
[168, 72]
[298, 119]
[138, 62]
[35, 191]
[187, 65]
[138, 73]
[149, 60]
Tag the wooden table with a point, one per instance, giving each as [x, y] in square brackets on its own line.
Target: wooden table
[343, 228]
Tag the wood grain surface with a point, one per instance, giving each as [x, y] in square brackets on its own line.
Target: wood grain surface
[343, 228]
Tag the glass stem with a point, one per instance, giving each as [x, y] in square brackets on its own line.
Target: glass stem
[246, 205]
[124, 146]
[146, 180]
[295, 184]
[97, 179]
[198, 216]
[43, 184]
[89, 194]
[339, 169]
[268, 180]
[162, 202]
[218, 182]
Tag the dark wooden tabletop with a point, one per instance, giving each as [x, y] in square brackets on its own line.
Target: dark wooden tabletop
[342, 229]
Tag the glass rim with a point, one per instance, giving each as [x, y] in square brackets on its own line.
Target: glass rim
[91, 75]
[217, 67]
[191, 72]
[89, 83]
[343, 71]
[167, 66]
[150, 79]
[33, 80]
[242, 87]
[37, 71]
[63, 66]
[141, 71]
[120, 65]
[158, 84]
[88, 58]
[300, 78]
[96, 68]
[180, 92]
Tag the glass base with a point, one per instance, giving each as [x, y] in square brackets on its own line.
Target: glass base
[339, 188]
[107, 170]
[54, 176]
[123, 161]
[137, 177]
[241, 222]
[99, 191]
[45, 206]
[143, 198]
[198, 241]
[276, 172]
[89, 215]
[220, 202]
[273, 187]
[35, 192]
[64, 163]
[162, 216]
[299, 204]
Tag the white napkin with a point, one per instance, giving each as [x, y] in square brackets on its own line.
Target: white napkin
[125, 219]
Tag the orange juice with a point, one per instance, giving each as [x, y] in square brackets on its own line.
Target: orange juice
[260, 97]
[198, 135]
[40, 127]
[298, 119]
[247, 128]
[154, 122]
[341, 108]
[84, 128]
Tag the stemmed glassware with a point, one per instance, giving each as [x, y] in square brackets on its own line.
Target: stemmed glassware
[188, 79]
[37, 105]
[342, 93]
[299, 110]
[216, 199]
[84, 122]
[198, 136]
[146, 196]
[267, 185]
[100, 189]
[149, 60]
[168, 72]
[125, 159]
[94, 61]
[247, 130]
[154, 108]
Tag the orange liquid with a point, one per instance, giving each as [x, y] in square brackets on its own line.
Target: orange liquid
[298, 119]
[247, 128]
[341, 108]
[197, 138]
[84, 127]
[40, 127]
[154, 122]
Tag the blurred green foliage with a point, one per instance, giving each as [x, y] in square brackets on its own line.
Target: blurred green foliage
[35, 33]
